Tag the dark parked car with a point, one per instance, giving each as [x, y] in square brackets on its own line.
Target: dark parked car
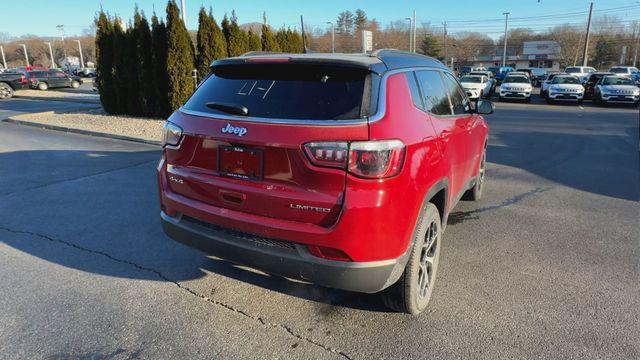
[44, 80]
[11, 81]
[300, 165]
[590, 84]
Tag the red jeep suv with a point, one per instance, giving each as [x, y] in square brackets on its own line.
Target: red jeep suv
[336, 169]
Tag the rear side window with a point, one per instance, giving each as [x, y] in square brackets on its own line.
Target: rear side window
[283, 91]
[433, 92]
[459, 102]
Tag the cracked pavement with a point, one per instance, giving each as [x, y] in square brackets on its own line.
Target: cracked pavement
[545, 266]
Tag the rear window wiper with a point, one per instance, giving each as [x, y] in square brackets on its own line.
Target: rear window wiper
[229, 108]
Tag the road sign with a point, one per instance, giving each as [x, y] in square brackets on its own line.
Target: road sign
[367, 41]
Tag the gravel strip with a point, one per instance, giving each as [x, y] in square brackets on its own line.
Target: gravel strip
[77, 94]
[96, 120]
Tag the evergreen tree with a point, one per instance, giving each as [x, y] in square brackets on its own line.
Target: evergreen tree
[205, 42]
[345, 23]
[134, 66]
[219, 41]
[254, 41]
[430, 46]
[144, 50]
[238, 41]
[360, 20]
[159, 99]
[121, 68]
[180, 62]
[226, 24]
[283, 41]
[268, 39]
[104, 62]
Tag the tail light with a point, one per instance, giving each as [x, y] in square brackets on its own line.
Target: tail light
[23, 79]
[329, 154]
[33, 80]
[365, 159]
[172, 134]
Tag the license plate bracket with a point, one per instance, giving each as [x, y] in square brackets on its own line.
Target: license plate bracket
[240, 162]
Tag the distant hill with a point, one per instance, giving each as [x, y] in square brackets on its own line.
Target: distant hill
[255, 26]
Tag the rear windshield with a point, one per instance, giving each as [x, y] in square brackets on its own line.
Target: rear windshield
[284, 91]
[572, 70]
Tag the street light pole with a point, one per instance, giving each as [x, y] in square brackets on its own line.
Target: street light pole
[26, 57]
[333, 36]
[444, 42]
[53, 64]
[61, 29]
[183, 10]
[504, 51]
[414, 31]
[410, 33]
[80, 49]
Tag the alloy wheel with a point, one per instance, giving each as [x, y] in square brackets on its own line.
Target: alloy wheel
[428, 261]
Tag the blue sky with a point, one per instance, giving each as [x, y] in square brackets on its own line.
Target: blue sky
[78, 14]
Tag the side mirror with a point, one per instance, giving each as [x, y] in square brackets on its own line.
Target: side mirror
[485, 107]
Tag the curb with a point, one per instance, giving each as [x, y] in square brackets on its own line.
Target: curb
[43, 98]
[81, 132]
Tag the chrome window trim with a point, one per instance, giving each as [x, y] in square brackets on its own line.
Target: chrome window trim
[379, 114]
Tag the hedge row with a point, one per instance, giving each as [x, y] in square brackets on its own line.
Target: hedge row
[146, 70]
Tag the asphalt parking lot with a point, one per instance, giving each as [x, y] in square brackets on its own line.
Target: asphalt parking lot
[545, 266]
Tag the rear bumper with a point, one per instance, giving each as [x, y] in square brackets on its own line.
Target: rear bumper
[283, 258]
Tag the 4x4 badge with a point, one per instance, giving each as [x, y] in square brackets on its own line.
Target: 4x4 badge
[236, 130]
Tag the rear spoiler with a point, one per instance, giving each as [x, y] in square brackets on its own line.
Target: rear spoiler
[255, 57]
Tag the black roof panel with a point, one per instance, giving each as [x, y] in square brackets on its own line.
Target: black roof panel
[378, 61]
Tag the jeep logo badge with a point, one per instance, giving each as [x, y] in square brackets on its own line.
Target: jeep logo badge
[235, 130]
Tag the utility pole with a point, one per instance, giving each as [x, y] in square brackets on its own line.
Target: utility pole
[414, 31]
[333, 36]
[504, 50]
[444, 42]
[53, 64]
[183, 10]
[81, 58]
[637, 36]
[585, 58]
[410, 32]
[26, 57]
[4, 61]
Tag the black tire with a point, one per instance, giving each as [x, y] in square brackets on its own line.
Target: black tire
[549, 100]
[43, 86]
[75, 84]
[6, 92]
[412, 292]
[500, 98]
[528, 100]
[475, 193]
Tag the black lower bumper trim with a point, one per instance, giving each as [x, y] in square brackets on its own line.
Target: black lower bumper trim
[295, 263]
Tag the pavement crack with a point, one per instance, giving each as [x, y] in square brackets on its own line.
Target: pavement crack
[78, 178]
[158, 273]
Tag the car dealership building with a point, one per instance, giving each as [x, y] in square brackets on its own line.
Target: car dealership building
[535, 54]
